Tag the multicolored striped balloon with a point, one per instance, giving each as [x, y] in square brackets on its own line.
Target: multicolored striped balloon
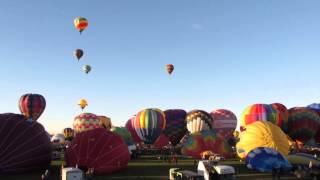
[175, 125]
[149, 124]
[198, 120]
[283, 116]
[303, 123]
[129, 126]
[85, 122]
[223, 120]
[32, 106]
[258, 112]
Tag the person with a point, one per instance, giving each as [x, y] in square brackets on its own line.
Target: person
[89, 174]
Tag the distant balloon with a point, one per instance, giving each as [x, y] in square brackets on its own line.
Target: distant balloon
[32, 106]
[223, 120]
[78, 53]
[80, 23]
[86, 122]
[105, 122]
[83, 103]
[169, 68]
[176, 126]
[68, 133]
[86, 68]
[198, 120]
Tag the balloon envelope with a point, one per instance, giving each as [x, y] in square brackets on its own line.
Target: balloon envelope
[161, 141]
[169, 68]
[86, 68]
[105, 122]
[282, 121]
[78, 53]
[102, 150]
[266, 160]
[198, 120]
[132, 131]
[32, 106]
[175, 125]
[83, 103]
[224, 120]
[24, 146]
[85, 122]
[124, 134]
[80, 23]
[68, 133]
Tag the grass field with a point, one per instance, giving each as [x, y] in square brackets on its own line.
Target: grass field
[148, 167]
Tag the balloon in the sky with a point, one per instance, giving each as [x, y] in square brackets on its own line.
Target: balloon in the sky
[83, 103]
[68, 133]
[198, 120]
[78, 53]
[32, 106]
[303, 123]
[124, 133]
[266, 160]
[206, 141]
[148, 124]
[85, 122]
[223, 120]
[105, 122]
[129, 126]
[80, 23]
[58, 138]
[86, 68]
[283, 116]
[258, 112]
[24, 146]
[102, 150]
[169, 68]
[175, 125]
[262, 134]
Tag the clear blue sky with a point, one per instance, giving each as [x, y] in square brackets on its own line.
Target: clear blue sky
[227, 54]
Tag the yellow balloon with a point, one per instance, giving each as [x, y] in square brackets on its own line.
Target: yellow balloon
[105, 122]
[262, 134]
[83, 103]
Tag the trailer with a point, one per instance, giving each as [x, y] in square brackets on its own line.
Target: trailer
[72, 173]
[211, 170]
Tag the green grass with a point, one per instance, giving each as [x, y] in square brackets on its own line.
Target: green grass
[146, 167]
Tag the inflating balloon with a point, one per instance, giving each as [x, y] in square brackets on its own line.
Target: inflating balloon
[32, 106]
[206, 141]
[303, 123]
[283, 116]
[85, 122]
[80, 23]
[78, 53]
[24, 146]
[129, 126]
[175, 125]
[161, 141]
[169, 68]
[86, 68]
[223, 120]
[124, 134]
[83, 103]
[198, 120]
[102, 150]
[68, 133]
[258, 112]
[148, 124]
[105, 122]
[262, 134]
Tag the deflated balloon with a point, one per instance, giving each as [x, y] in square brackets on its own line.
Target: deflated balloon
[86, 122]
[124, 134]
[303, 123]
[24, 146]
[262, 134]
[198, 120]
[105, 122]
[32, 106]
[258, 112]
[80, 23]
[148, 124]
[175, 125]
[223, 120]
[102, 150]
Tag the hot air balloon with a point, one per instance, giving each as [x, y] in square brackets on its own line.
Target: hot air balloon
[24, 146]
[223, 120]
[258, 112]
[206, 140]
[68, 133]
[198, 120]
[83, 103]
[80, 23]
[262, 134]
[175, 125]
[148, 124]
[132, 131]
[169, 68]
[303, 123]
[102, 150]
[124, 134]
[78, 53]
[161, 141]
[283, 116]
[58, 138]
[32, 106]
[85, 122]
[86, 68]
[105, 122]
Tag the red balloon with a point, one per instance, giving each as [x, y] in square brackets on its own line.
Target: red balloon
[102, 150]
[161, 141]
[129, 126]
[32, 106]
[24, 146]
